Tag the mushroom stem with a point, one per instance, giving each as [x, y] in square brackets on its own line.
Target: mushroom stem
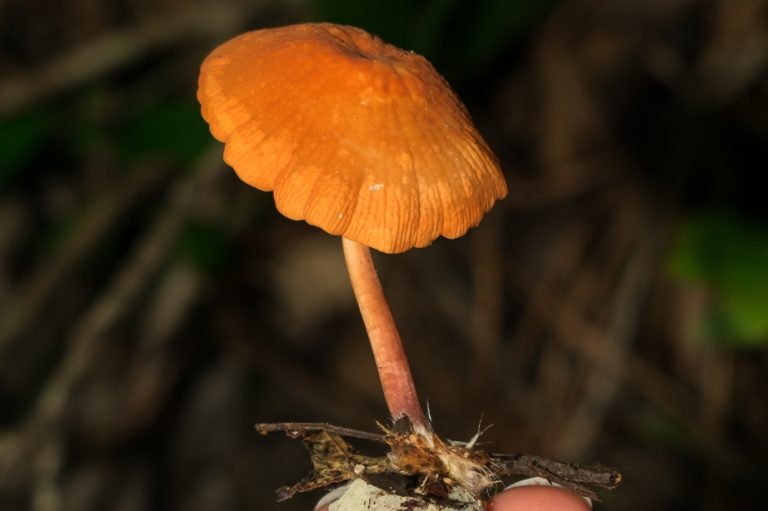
[391, 361]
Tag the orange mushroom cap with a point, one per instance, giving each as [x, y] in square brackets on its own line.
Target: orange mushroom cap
[353, 135]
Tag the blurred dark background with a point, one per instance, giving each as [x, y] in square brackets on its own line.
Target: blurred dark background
[613, 308]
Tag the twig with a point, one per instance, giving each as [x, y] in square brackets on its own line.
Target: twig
[569, 475]
[298, 429]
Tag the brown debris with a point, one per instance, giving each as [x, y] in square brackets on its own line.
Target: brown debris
[425, 466]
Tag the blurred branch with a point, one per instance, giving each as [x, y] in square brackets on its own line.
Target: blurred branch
[599, 349]
[42, 431]
[112, 51]
[487, 308]
[583, 424]
[733, 58]
[155, 366]
[303, 385]
[28, 302]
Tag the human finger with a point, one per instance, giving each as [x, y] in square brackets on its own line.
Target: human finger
[538, 494]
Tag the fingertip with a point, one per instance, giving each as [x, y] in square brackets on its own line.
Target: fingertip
[533, 495]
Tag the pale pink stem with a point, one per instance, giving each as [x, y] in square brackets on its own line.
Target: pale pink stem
[391, 361]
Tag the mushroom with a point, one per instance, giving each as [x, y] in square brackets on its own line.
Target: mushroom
[360, 138]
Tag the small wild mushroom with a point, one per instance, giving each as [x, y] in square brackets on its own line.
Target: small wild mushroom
[360, 138]
[368, 142]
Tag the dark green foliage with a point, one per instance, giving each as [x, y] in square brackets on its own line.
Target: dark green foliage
[728, 255]
[20, 139]
[171, 128]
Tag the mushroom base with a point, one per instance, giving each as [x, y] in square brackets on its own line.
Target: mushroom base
[420, 465]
